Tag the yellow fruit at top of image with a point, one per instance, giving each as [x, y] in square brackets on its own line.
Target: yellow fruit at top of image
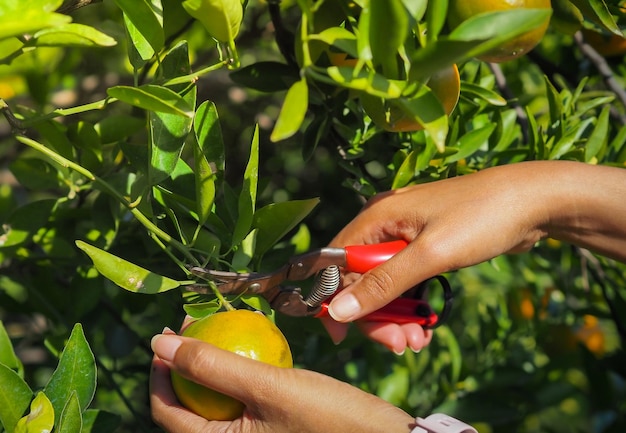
[445, 85]
[462, 10]
[244, 332]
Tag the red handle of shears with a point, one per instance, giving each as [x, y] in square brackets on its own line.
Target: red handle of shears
[362, 258]
[401, 310]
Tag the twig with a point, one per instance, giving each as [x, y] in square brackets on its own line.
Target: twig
[603, 68]
[71, 5]
[15, 123]
[522, 118]
[284, 38]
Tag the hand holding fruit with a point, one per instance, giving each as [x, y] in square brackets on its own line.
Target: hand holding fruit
[276, 399]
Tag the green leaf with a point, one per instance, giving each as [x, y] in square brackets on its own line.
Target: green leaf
[471, 142]
[15, 395]
[406, 172]
[371, 83]
[266, 76]
[427, 110]
[292, 112]
[597, 10]
[75, 374]
[487, 95]
[598, 139]
[153, 98]
[338, 37]
[257, 302]
[115, 128]
[243, 255]
[144, 24]
[41, 416]
[221, 18]
[7, 354]
[25, 221]
[125, 274]
[27, 20]
[100, 421]
[388, 29]
[247, 197]
[209, 135]
[276, 220]
[497, 28]
[168, 131]
[71, 419]
[199, 310]
[72, 35]
[205, 184]
[436, 15]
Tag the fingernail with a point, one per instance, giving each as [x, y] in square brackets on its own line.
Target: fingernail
[416, 350]
[165, 346]
[167, 330]
[399, 352]
[343, 308]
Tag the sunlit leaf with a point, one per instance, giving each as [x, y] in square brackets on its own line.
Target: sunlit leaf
[276, 220]
[487, 95]
[471, 142]
[597, 10]
[436, 15]
[26, 20]
[7, 354]
[24, 222]
[598, 139]
[144, 25]
[15, 396]
[152, 97]
[72, 35]
[75, 373]
[292, 112]
[71, 419]
[247, 197]
[126, 274]
[168, 130]
[198, 310]
[388, 29]
[41, 416]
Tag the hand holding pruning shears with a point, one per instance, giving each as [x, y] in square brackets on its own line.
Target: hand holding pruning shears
[325, 265]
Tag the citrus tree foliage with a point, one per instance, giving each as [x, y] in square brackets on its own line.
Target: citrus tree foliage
[139, 138]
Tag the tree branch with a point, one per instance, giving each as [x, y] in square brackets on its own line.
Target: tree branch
[522, 118]
[69, 6]
[603, 68]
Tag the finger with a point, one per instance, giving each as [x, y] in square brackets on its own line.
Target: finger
[215, 368]
[166, 410]
[337, 331]
[384, 283]
[416, 337]
[389, 335]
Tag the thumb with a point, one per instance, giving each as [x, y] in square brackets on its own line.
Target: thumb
[215, 368]
[379, 286]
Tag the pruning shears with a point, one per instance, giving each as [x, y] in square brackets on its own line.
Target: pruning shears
[326, 265]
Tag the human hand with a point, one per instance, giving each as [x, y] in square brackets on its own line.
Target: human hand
[277, 399]
[449, 224]
[462, 221]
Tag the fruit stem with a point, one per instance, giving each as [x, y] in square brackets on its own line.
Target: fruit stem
[220, 298]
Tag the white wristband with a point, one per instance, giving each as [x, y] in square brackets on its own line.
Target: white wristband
[441, 423]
